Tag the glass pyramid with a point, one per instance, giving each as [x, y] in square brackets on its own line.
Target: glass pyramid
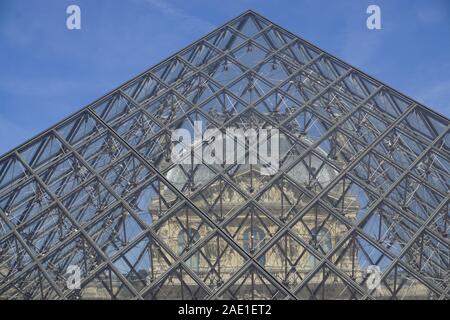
[359, 208]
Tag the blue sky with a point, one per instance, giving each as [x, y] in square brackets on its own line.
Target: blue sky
[48, 72]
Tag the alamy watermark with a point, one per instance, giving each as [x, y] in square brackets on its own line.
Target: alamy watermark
[374, 20]
[234, 146]
[374, 277]
[73, 21]
[73, 281]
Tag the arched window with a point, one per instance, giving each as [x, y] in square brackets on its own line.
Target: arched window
[321, 241]
[185, 240]
[254, 239]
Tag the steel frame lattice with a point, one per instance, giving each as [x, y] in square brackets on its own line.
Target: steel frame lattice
[97, 190]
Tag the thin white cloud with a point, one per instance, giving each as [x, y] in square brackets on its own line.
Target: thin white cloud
[11, 134]
[41, 87]
[167, 9]
[428, 14]
[436, 96]
[360, 46]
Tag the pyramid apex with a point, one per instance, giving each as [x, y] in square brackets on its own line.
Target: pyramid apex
[252, 12]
